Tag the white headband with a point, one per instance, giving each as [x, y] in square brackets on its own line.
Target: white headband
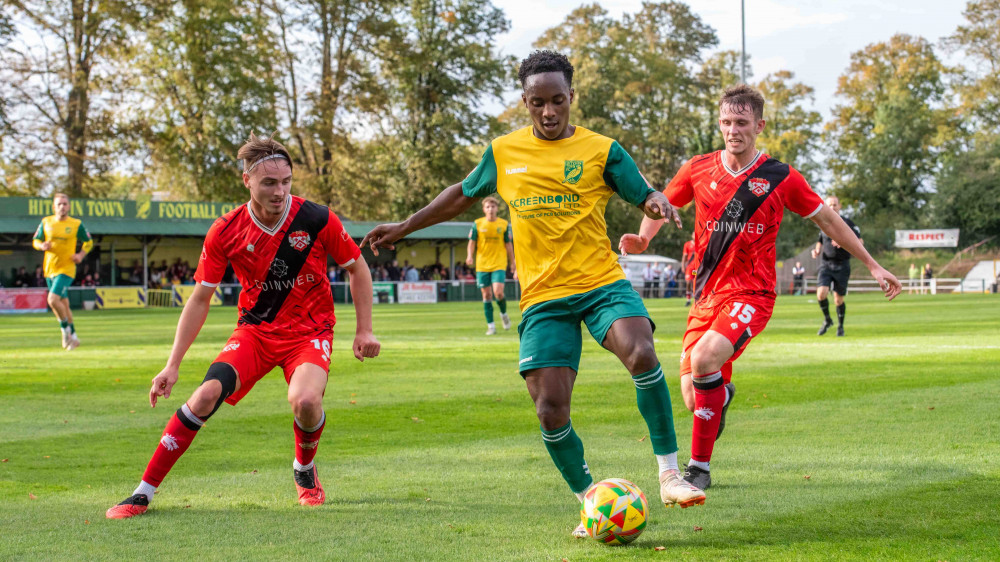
[264, 159]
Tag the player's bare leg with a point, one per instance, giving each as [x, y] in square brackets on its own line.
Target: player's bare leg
[220, 382]
[305, 395]
[551, 389]
[631, 340]
[498, 295]
[710, 398]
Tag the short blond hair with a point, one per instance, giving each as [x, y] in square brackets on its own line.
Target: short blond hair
[491, 199]
[257, 149]
[58, 195]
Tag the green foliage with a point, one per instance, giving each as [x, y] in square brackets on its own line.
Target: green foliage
[978, 84]
[885, 137]
[968, 193]
[207, 65]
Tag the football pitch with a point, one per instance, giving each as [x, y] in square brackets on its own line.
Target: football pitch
[879, 445]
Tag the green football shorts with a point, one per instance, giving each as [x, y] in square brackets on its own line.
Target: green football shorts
[59, 285]
[486, 278]
[550, 331]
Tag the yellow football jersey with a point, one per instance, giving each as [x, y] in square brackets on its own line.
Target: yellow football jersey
[557, 192]
[64, 235]
[491, 243]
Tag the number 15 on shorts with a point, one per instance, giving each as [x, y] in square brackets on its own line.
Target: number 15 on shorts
[742, 312]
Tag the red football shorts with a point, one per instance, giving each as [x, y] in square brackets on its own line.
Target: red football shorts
[253, 355]
[739, 318]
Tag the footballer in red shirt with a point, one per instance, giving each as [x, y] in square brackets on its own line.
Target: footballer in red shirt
[278, 246]
[739, 195]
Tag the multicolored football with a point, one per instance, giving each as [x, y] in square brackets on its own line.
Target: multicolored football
[614, 511]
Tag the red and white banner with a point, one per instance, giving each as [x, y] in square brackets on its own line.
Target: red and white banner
[930, 238]
[417, 293]
[23, 300]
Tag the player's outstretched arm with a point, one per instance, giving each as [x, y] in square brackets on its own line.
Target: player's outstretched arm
[190, 323]
[658, 210]
[470, 253]
[447, 205]
[830, 223]
[365, 344]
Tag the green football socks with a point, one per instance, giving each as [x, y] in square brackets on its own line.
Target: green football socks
[488, 310]
[654, 404]
[566, 450]
[502, 303]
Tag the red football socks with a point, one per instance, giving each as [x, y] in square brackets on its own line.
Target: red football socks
[177, 437]
[306, 442]
[709, 397]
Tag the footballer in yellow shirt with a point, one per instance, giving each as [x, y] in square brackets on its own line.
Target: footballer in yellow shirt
[57, 236]
[490, 248]
[557, 179]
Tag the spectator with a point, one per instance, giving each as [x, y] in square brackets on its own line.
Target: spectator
[22, 280]
[331, 274]
[914, 277]
[97, 279]
[393, 272]
[647, 280]
[798, 279]
[411, 275]
[39, 277]
[88, 281]
[668, 279]
[928, 275]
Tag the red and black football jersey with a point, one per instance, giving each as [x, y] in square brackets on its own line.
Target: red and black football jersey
[737, 215]
[286, 292]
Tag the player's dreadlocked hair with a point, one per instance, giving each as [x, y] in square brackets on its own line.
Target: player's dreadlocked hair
[545, 61]
[741, 96]
[258, 149]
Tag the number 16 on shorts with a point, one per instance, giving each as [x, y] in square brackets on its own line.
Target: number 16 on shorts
[322, 346]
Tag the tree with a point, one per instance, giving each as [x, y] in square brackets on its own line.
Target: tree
[968, 193]
[979, 86]
[59, 87]
[436, 74]
[207, 65]
[886, 135]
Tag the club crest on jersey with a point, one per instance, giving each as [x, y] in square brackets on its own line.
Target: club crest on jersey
[299, 240]
[759, 186]
[573, 171]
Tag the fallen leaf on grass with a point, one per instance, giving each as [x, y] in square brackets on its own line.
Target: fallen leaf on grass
[499, 399]
[807, 477]
[187, 506]
[931, 408]
[254, 471]
[445, 395]
[697, 528]
[131, 411]
[65, 421]
[353, 402]
[765, 396]
[416, 419]
[659, 548]
[427, 500]
[157, 492]
[643, 438]
[32, 496]
[450, 526]
[756, 405]
[118, 380]
[86, 521]
[46, 457]
[4, 460]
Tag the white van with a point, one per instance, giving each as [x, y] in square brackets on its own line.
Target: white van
[634, 264]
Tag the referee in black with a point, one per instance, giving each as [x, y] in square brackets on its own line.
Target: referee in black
[834, 271]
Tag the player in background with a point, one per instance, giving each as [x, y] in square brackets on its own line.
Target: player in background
[57, 236]
[557, 179]
[834, 272]
[688, 266]
[490, 247]
[278, 245]
[739, 194]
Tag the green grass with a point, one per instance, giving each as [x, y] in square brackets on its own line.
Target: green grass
[880, 445]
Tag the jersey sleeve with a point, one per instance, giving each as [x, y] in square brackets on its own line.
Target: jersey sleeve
[338, 243]
[473, 233]
[799, 197]
[854, 227]
[622, 175]
[39, 238]
[680, 190]
[508, 235]
[483, 180]
[83, 236]
[213, 261]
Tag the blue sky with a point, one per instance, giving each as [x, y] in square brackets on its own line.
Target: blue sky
[812, 38]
